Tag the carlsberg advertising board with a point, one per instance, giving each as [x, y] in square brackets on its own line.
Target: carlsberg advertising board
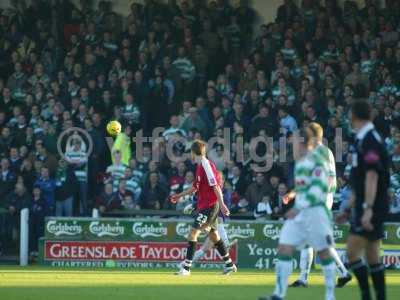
[149, 243]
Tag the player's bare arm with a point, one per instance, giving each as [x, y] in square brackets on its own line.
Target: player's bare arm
[371, 186]
[289, 197]
[175, 198]
[220, 197]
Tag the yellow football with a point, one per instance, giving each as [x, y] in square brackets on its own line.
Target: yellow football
[113, 127]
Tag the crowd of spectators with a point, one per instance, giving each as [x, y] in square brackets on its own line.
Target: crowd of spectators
[200, 69]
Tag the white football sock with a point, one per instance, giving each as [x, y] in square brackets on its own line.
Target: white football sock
[222, 233]
[283, 269]
[306, 259]
[198, 254]
[329, 270]
[207, 245]
[343, 272]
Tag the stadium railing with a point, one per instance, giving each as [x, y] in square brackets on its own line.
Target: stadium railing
[174, 213]
[165, 213]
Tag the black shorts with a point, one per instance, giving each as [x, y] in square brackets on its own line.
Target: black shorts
[376, 234]
[207, 219]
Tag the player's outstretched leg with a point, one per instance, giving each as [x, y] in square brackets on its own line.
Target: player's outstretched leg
[207, 245]
[222, 233]
[306, 259]
[223, 251]
[187, 263]
[344, 274]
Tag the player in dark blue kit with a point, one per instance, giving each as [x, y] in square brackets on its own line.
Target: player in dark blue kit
[368, 207]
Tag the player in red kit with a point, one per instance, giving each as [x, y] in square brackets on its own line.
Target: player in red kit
[207, 187]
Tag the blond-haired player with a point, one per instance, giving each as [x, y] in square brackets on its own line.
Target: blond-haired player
[324, 154]
[309, 222]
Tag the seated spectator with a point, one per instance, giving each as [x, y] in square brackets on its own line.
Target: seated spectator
[256, 191]
[128, 203]
[154, 194]
[122, 195]
[263, 208]
[278, 207]
[154, 167]
[107, 201]
[238, 183]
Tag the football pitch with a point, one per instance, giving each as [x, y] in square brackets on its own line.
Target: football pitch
[37, 283]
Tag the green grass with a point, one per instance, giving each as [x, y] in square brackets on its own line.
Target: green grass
[37, 283]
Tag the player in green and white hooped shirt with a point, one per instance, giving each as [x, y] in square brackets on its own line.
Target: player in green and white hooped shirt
[311, 188]
[325, 156]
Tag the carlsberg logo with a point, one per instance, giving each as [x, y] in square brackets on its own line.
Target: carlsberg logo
[182, 229]
[143, 230]
[101, 229]
[63, 228]
[240, 232]
[271, 231]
